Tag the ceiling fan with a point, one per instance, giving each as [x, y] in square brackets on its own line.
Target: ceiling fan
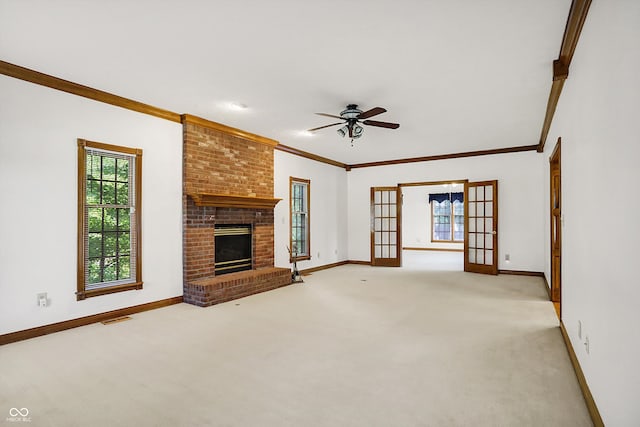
[352, 117]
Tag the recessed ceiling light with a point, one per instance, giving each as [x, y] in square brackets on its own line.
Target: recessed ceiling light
[236, 106]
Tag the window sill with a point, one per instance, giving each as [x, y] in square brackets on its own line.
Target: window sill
[301, 258]
[110, 290]
[448, 241]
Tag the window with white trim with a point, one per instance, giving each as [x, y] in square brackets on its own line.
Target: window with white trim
[109, 219]
[447, 217]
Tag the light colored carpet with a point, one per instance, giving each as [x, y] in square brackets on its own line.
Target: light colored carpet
[352, 346]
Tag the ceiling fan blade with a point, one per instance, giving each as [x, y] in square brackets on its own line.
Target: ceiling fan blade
[373, 112]
[381, 124]
[330, 115]
[325, 126]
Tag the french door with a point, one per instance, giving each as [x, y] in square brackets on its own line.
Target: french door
[385, 226]
[481, 227]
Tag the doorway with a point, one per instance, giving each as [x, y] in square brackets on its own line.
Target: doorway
[480, 201]
[555, 210]
[433, 225]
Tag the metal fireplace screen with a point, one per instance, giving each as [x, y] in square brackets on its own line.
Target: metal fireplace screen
[233, 248]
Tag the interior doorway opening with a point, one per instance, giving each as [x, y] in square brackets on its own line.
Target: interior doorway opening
[433, 225]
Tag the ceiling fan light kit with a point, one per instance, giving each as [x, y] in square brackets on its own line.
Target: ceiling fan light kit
[352, 117]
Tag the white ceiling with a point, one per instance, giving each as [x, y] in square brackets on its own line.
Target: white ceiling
[457, 75]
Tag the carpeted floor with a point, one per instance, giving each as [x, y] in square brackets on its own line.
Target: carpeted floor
[352, 346]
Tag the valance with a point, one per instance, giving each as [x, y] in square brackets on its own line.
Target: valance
[441, 197]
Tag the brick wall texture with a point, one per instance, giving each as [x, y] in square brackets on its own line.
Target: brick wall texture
[219, 163]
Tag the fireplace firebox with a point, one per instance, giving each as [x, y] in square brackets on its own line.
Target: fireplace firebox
[233, 248]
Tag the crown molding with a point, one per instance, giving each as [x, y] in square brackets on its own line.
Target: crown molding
[52, 82]
[446, 156]
[307, 155]
[188, 118]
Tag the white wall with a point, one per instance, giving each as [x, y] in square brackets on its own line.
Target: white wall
[416, 217]
[328, 216]
[520, 223]
[38, 182]
[598, 118]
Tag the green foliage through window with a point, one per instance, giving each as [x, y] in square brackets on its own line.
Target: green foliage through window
[108, 217]
[299, 192]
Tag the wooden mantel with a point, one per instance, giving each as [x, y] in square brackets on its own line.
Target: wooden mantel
[232, 201]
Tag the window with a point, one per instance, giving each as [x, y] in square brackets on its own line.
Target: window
[109, 220]
[299, 190]
[447, 217]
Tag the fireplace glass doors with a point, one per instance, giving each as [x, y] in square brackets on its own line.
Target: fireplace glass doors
[233, 246]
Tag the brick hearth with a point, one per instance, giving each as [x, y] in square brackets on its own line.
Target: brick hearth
[214, 290]
[218, 162]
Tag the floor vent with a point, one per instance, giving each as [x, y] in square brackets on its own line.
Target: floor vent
[116, 320]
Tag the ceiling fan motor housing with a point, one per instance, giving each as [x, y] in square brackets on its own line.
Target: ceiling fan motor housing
[352, 112]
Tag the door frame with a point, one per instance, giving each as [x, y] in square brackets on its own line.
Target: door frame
[430, 183]
[555, 218]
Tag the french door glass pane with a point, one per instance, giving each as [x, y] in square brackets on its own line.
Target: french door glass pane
[488, 225]
[489, 241]
[488, 259]
[488, 208]
[488, 192]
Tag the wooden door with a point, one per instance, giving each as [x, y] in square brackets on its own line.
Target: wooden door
[385, 226]
[481, 227]
[556, 224]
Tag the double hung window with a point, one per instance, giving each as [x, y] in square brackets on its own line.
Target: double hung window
[109, 220]
[447, 217]
[299, 191]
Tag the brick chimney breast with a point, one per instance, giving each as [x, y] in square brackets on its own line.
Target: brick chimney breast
[219, 160]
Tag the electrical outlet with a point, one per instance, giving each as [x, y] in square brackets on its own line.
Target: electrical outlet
[42, 300]
[586, 343]
[507, 257]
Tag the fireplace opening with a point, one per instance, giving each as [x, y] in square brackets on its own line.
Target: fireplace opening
[232, 248]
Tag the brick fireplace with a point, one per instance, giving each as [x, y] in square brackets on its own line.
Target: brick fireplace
[227, 179]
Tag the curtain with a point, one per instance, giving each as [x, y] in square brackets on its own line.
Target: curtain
[441, 197]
